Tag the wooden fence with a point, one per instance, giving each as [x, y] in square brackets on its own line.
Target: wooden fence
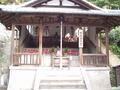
[34, 59]
[26, 59]
[94, 60]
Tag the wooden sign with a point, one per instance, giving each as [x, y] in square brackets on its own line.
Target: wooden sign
[80, 38]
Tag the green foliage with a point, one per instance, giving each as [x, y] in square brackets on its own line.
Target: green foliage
[113, 77]
[114, 35]
[115, 49]
[12, 1]
[109, 4]
[52, 50]
[65, 50]
[114, 38]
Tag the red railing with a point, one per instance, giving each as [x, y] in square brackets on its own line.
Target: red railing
[26, 59]
[94, 60]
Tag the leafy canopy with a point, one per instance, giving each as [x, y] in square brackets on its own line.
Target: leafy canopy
[109, 4]
[12, 1]
[114, 35]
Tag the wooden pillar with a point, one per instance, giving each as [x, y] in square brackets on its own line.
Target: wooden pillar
[16, 41]
[100, 43]
[61, 30]
[40, 42]
[12, 44]
[22, 37]
[107, 43]
[81, 55]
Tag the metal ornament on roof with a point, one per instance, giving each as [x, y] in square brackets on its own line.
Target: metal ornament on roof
[61, 2]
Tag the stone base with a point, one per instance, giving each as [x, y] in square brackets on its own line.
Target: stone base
[23, 78]
[98, 78]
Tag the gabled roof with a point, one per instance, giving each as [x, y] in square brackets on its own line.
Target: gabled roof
[14, 13]
[83, 3]
[54, 10]
[57, 10]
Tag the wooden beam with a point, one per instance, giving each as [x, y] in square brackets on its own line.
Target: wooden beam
[69, 23]
[67, 20]
[116, 20]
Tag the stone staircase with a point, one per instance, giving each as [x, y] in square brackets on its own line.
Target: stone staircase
[60, 80]
[62, 85]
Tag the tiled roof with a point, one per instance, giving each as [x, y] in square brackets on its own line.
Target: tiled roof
[63, 10]
[32, 2]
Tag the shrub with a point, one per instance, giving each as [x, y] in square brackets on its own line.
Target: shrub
[114, 38]
[113, 77]
[115, 49]
[114, 35]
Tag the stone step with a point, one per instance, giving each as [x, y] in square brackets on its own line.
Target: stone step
[61, 78]
[59, 81]
[62, 87]
[60, 72]
[62, 83]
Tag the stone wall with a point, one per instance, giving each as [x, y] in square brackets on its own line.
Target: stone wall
[5, 38]
[97, 78]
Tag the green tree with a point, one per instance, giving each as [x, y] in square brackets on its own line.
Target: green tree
[109, 4]
[114, 38]
[12, 1]
[114, 35]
